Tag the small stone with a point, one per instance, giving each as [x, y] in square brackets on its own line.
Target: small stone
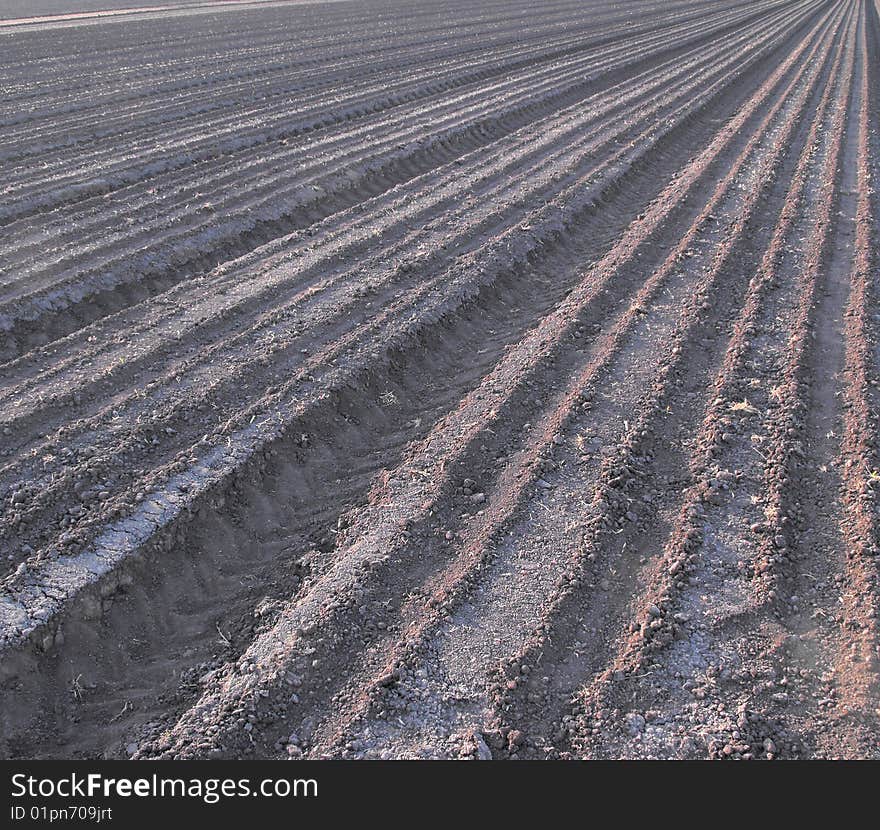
[483, 751]
[635, 723]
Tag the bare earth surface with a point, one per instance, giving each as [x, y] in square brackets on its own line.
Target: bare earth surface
[430, 380]
[20, 9]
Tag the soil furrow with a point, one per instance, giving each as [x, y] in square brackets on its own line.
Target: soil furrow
[49, 313]
[406, 380]
[155, 425]
[397, 499]
[647, 624]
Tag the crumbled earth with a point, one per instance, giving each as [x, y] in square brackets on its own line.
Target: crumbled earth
[441, 380]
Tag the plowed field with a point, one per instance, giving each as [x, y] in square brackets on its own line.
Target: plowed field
[441, 379]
